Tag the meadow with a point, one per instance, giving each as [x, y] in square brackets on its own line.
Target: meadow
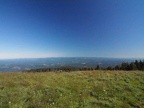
[78, 89]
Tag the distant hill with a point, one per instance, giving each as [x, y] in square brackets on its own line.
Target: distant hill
[17, 65]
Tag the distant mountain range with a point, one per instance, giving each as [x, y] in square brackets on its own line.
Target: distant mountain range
[18, 65]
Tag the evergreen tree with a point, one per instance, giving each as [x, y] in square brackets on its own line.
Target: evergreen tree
[140, 64]
[109, 68]
[125, 66]
[143, 65]
[117, 67]
[137, 64]
[97, 67]
[133, 66]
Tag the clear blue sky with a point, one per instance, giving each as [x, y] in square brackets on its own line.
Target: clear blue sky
[71, 28]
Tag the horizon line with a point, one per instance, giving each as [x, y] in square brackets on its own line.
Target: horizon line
[71, 57]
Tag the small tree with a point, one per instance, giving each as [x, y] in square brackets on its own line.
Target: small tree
[109, 68]
[133, 66]
[137, 64]
[97, 67]
[117, 67]
[125, 66]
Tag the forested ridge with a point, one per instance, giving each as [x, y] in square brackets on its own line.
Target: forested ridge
[136, 65]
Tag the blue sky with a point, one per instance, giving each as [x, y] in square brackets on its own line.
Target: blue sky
[71, 28]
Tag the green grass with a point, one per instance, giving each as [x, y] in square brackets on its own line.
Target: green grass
[87, 89]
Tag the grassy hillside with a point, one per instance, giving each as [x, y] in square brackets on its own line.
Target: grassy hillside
[95, 89]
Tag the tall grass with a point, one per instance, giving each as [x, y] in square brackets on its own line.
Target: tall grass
[87, 89]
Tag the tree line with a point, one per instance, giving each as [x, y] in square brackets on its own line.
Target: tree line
[136, 65]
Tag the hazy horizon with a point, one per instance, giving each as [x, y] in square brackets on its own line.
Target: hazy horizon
[16, 58]
[18, 65]
[74, 28]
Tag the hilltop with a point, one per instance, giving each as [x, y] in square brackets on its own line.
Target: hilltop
[79, 89]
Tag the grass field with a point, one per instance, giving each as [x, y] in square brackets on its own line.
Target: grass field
[87, 89]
